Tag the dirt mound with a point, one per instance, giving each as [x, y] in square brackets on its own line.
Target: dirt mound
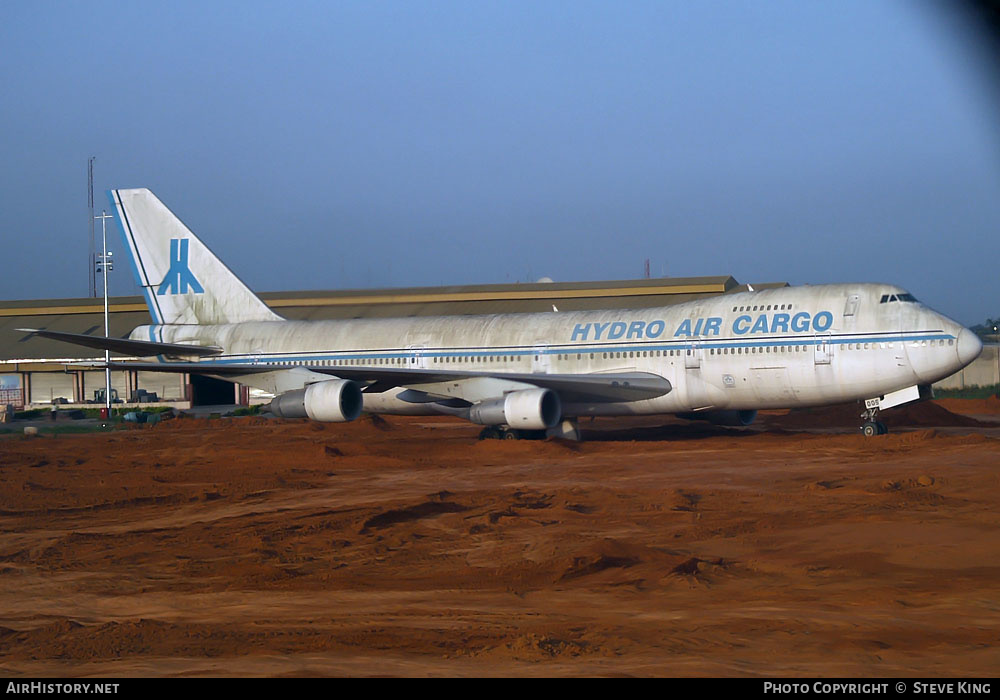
[628, 561]
[972, 407]
[603, 555]
[427, 509]
[922, 414]
[931, 415]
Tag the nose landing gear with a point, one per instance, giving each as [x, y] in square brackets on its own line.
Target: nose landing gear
[871, 426]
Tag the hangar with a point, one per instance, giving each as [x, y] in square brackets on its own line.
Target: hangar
[33, 371]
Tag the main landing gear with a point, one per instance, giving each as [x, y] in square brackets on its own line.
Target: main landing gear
[872, 427]
[502, 432]
[568, 429]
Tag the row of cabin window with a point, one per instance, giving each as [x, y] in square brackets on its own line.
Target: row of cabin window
[398, 361]
[477, 358]
[762, 307]
[916, 343]
[757, 350]
[333, 363]
[613, 355]
[633, 353]
[510, 358]
[868, 346]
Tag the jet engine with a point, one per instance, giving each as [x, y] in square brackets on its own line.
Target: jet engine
[529, 409]
[331, 401]
[737, 418]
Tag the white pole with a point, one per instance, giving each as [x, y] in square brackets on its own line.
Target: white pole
[996, 349]
[107, 329]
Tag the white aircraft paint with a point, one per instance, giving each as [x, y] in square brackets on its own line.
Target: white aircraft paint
[774, 348]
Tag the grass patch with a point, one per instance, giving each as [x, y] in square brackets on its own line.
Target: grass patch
[116, 410]
[33, 414]
[971, 392]
[248, 410]
[18, 431]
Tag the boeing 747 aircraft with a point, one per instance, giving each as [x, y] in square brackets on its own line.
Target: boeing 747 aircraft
[719, 359]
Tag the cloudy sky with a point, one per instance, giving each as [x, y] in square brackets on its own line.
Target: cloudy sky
[325, 145]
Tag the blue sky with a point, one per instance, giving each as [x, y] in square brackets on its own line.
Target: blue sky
[324, 145]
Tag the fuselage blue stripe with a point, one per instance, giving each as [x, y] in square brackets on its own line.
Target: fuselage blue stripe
[704, 344]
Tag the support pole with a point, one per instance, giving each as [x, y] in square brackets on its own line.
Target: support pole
[104, 264]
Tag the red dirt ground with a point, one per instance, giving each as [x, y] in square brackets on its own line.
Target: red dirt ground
[407, 547]
[990, 406]
[922, 414]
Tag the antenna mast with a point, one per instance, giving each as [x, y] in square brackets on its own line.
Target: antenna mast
[91, 260]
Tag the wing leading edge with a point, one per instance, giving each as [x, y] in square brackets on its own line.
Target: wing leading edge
[596, 388]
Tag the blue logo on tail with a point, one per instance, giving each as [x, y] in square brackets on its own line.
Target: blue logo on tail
[179, 276]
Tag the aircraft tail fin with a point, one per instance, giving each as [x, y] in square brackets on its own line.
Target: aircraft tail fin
[183, 281]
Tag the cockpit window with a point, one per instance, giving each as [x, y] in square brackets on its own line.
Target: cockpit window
[889, 298]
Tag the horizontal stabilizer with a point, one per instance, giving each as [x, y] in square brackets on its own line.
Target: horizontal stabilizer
[125, 346]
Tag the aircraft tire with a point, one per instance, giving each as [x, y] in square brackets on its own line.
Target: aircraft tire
[509, 435]
[870, 429]
[490, 432]
[883, 429]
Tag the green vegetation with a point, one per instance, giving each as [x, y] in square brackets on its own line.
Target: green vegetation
[985, 330]
[15, 430]
[248, 410]
[33, 414]
[972, 392]
[43, 413]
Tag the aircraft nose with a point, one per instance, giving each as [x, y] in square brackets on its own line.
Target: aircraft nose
[969, 346]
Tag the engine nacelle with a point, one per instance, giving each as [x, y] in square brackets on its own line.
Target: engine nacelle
[530, 409]
[332, 401]
[737, 418]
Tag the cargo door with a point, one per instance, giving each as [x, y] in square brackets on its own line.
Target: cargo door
[823, 352]
[773, 386]
[693, 356]
[541, 361]
[416, 357]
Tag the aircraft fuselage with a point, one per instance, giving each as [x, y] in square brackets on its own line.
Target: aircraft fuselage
[775, 348]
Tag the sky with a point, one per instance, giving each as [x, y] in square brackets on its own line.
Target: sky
[335, 144]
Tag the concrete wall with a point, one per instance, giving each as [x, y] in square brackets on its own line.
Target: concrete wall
[982, 372]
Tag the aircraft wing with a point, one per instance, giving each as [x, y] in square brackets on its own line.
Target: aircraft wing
[125, 346]
[598, 388]
[595, 388]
